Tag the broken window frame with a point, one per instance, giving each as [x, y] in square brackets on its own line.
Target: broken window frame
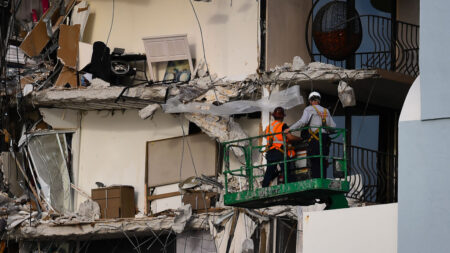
[62, 143]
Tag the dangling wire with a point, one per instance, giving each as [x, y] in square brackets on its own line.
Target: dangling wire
[112, 21]
[204, 51]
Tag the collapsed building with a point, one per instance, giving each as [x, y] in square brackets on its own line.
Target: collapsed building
[98, 155]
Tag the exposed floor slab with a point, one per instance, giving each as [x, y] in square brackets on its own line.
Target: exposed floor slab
[100, 99]
[104, 228]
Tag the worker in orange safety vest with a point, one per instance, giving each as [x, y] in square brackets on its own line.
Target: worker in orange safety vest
[275, 148]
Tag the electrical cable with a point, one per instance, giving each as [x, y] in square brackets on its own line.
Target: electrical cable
[201, 35]
[112, 21]
[182, 150]
[203, 48]
[193, 164]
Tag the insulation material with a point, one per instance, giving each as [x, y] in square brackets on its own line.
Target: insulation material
[184, 216]
[287, 99]
[89, 209]
[80, 15]
[68, 45]
[67, 77]
[36, 40]
[242, 233]
[49, 160]
[346, 94]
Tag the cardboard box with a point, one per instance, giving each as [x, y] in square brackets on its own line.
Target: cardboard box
[115, 201]
[196, 199]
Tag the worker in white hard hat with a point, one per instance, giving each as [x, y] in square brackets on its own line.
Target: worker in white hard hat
[315, 116]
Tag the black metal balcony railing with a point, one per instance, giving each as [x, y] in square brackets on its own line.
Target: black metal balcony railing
[384, 46]
[373, 175]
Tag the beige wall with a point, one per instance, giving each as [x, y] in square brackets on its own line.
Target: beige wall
[113, 148]
[286, 25]
[408, 11]
[230, 32]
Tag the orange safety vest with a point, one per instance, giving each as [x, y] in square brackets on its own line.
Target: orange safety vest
[276, 141]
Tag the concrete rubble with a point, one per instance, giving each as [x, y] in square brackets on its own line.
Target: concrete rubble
[234, 226]
[56, 70]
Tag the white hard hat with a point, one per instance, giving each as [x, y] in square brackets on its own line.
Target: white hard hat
[314, 94]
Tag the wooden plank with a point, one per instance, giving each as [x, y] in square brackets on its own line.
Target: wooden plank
[163, 196]
[81, 192]
[263, 240]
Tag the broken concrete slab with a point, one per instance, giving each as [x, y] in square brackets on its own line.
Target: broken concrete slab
[148, 111]
[101, 99]
[105, 228]
[318, 71]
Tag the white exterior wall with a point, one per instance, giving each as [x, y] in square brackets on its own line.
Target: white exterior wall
[113, 148]
[230, 31]
[370, 229]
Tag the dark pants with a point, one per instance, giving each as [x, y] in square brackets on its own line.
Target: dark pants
[273, 156]
[314, 149]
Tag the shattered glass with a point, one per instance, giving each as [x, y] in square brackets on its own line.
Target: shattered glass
[49, 155]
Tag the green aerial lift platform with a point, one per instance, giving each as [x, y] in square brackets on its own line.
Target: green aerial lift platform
[303, 192]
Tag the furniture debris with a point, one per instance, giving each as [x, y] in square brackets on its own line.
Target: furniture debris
[115, 201]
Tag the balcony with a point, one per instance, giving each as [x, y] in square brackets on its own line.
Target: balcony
[373, 175]
[384, 44]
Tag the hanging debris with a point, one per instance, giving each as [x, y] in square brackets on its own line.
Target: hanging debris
[224, 129]
[346, 94]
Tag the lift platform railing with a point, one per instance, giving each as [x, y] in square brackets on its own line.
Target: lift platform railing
[247, 146]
